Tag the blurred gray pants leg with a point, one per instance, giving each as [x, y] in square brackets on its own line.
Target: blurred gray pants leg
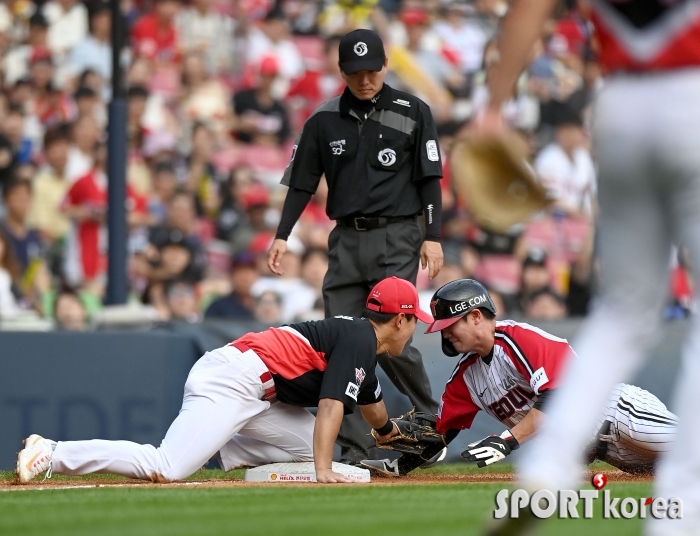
[357, 261]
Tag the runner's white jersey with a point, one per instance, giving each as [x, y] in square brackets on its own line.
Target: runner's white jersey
[525, 361]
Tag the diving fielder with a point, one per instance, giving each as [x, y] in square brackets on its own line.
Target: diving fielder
[510, 370]
[245, 402]
[644, 126]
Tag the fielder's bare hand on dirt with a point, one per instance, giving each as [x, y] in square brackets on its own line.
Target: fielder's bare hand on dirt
[329, 416]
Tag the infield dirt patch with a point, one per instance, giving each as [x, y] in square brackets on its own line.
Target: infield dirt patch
[412, 479]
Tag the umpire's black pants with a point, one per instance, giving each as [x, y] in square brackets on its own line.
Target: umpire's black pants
[357, 261]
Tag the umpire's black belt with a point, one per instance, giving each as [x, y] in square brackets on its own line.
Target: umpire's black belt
[361, 223]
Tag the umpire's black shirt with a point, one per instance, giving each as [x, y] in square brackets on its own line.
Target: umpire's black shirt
[373, 165]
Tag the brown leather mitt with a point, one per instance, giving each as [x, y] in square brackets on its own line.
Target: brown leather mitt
[416, 433]
[494, 180]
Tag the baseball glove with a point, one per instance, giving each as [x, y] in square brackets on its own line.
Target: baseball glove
[493, 179]
[416, 433]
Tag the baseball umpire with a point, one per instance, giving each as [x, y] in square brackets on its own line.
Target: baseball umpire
[245, 402]
[510, 370]
[378, 150]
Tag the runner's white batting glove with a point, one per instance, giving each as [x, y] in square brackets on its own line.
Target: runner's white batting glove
[491, 449]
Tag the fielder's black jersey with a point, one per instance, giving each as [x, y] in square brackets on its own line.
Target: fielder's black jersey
[372, 164]
[332, 358]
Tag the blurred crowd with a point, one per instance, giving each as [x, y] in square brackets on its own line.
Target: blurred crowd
[217, 92]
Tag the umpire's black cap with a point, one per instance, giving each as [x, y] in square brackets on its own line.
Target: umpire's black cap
[360, 50]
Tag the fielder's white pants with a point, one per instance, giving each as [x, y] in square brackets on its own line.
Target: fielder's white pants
[222, 411]
[645, 131]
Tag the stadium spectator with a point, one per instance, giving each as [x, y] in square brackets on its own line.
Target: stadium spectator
[137, 98]
[85, 134]
[20, 94]
[154, 35]
[182, 301]
[260, 118]
[319, 84]
[48, 104]
[15, 64]
[580, 100]
[462, 35]
[343, 16]
[422, 69]
[534, 275]
[500, 302]
[69, 311]
[164, 186]
[202, 29]
[87, 102]
[314, 265]
[203, 99]
[86, 205]
[203, 179]
[68, 25]
[181, 226]
[314, 225]
[160, 145]
[173, 260]
[23, 240]
[582, 278]
[9, 275]
[14, 17]
[231, 212]
[239, 304]
[488, 14]
[469, 259]
[15, 128]
[271, 38]
[94, 52]
[11, 143]
[255, 202]
[297, 296]
[94, 81]
[50, 187]
[545, 304]
[156, 116]
[268, 308]
[566, 168]
[522, 111]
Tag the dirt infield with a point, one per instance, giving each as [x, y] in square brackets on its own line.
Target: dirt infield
[414, 479]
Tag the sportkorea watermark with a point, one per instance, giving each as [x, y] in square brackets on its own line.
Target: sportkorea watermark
[564, 504]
